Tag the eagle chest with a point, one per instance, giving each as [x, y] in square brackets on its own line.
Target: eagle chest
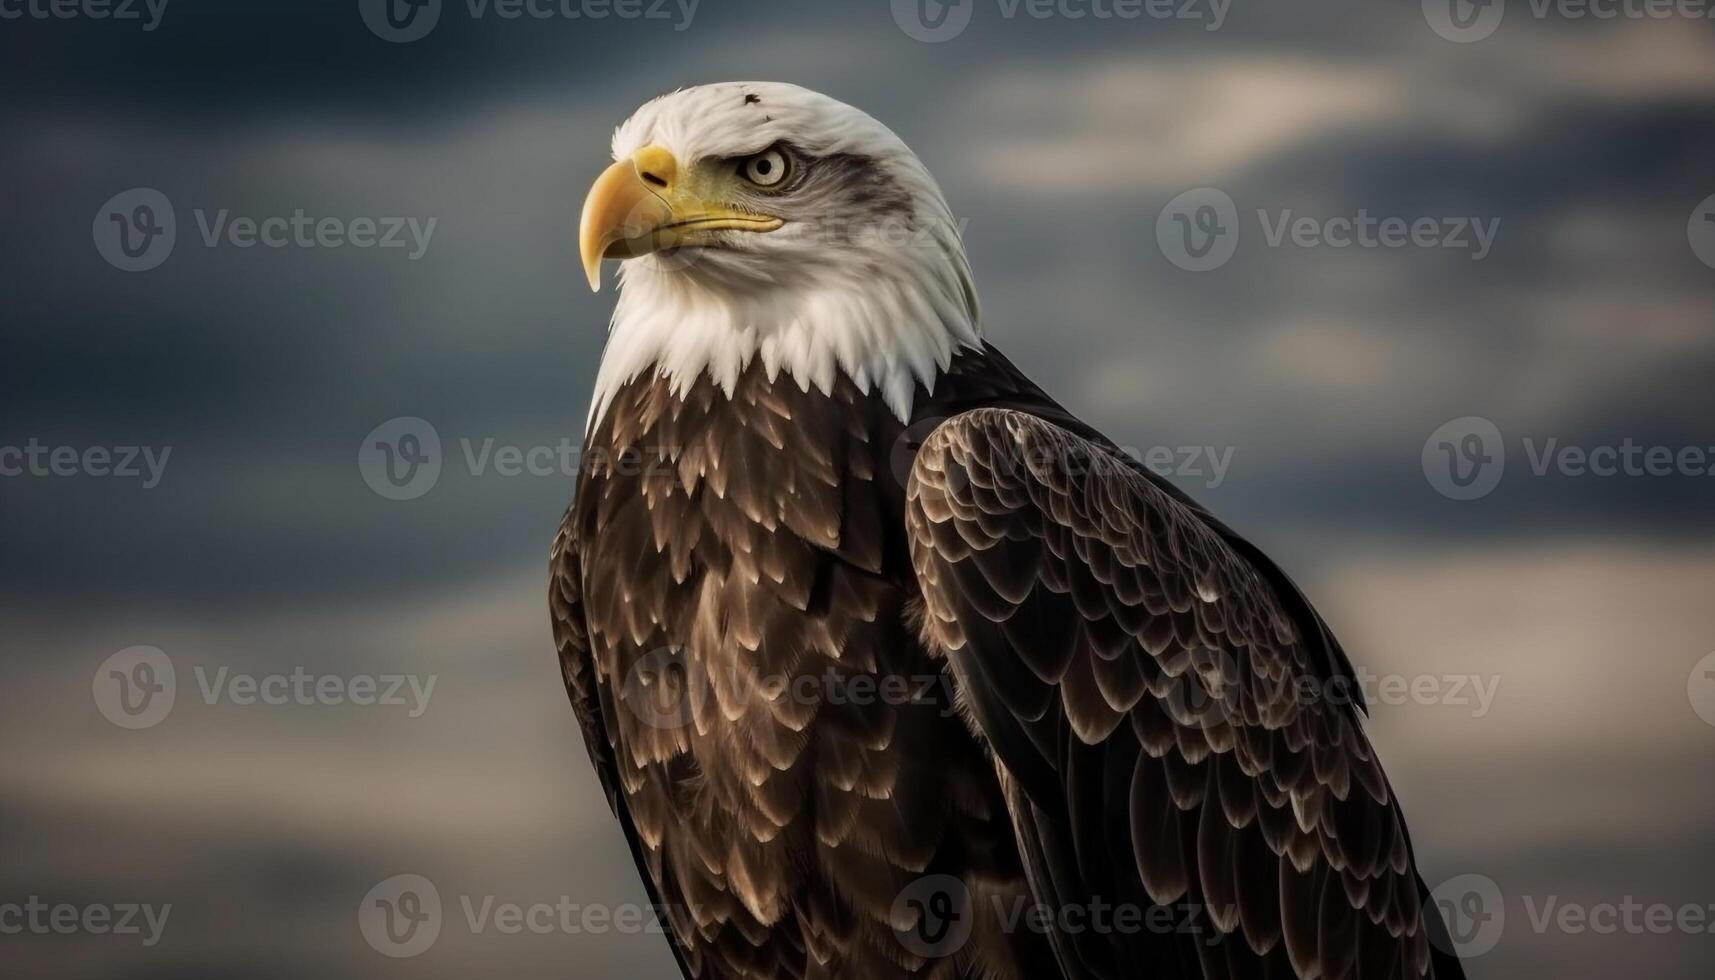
[745, 588]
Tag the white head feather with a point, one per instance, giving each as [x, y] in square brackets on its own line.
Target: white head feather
[881, 294]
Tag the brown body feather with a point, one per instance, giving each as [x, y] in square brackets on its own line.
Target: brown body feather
[756, 622]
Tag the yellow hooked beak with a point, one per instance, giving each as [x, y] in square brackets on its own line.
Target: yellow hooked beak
[645, 204]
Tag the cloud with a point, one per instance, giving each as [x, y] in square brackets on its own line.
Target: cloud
[1162, 123]
[1591, 643]
[1177, 120]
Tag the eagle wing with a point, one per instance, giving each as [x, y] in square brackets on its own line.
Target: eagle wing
[1163, 716]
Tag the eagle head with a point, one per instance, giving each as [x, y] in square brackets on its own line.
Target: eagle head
[760, 220]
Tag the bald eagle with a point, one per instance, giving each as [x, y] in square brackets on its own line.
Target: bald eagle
[888, 664]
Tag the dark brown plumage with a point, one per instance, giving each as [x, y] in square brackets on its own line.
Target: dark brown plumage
[1128, 728]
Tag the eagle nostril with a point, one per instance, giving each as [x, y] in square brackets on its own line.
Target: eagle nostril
[650, 178]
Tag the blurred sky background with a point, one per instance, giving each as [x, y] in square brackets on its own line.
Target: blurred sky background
[1059, 142]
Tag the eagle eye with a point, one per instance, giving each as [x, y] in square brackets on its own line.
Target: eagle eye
[770, 168]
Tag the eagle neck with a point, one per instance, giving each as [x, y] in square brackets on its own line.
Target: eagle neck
[890, 335]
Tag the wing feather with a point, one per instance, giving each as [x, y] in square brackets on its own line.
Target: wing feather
[1138, 674]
